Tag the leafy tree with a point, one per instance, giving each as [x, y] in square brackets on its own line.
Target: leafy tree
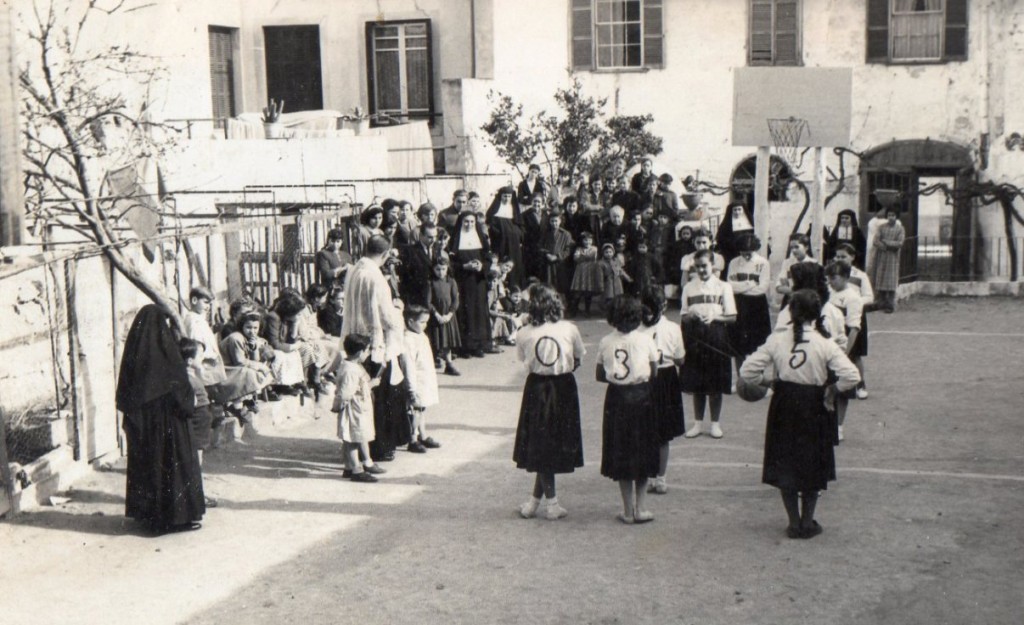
[80, 126]
[627, 139]
[516, 139]
[574, 134]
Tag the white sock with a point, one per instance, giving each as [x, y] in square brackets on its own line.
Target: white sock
[553, 501]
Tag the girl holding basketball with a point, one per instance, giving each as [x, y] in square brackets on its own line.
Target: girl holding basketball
[548, 438]
[799, 457]
[707, 309]
[626, 360]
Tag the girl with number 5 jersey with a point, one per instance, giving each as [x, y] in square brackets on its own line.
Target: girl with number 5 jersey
[548, 438]
[626, 360]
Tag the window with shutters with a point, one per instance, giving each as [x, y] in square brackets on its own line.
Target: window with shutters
[617, 34]
[917, 31]
[222, 72]
[400, 69]
[293, 67]
[775, 32]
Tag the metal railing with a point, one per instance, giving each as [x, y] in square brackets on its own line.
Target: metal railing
[959, 259]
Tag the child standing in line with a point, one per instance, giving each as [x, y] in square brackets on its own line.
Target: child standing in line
[201, 419]
[548, 437]
[749, 276]
[666, 391]
[444, 327]
[847, 299]
[586, 279]
[611, 274]
[421, 375]
[799, 252]
[846, 252]
[626, 360]
[354, 405]
[799, 458]
[707, 309]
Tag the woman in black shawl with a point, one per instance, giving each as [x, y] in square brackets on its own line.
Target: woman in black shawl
[846, 230]
[736, 222]
[469, 259]
[505, 223]
[164, 481]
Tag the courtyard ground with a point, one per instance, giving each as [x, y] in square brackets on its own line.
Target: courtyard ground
[922, 526]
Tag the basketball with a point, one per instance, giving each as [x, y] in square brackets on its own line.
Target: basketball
[750, 392]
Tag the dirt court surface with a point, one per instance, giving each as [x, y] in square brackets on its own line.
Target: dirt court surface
[922, 526]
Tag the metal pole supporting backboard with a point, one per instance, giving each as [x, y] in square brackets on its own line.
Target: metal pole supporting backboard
[762, 208]
[818, 205]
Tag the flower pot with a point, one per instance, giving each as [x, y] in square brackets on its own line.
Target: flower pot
[273, 130]
[691, 200]
[361, 126]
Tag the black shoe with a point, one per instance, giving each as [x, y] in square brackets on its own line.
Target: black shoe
[812, 531]
[429, 443]
[493, 350]
[417, 448]
[477, 353]
[364, 477]
[346, 473]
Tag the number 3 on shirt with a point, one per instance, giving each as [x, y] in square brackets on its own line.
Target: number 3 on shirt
[622, 359]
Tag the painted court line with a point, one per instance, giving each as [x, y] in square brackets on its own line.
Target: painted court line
[878, 471]
[934, 333]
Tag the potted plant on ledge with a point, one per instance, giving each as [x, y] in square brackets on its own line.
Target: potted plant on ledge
[359, 119]
[272, 126]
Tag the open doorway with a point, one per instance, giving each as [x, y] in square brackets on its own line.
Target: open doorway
[934, 230]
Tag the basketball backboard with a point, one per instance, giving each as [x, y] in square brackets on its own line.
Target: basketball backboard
[821, 96]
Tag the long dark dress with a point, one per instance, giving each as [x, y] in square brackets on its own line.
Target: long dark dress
[507, 243]
[391, 419]
[473, 313]
[444, 298]
[164, 482]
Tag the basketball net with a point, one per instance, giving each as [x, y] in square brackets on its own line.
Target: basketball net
[786, 134]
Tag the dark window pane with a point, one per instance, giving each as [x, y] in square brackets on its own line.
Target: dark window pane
[416, 42]
[386, 31]
[633, 56]
[389, 94]
[418, 79]
[633, 34]
[632, 9]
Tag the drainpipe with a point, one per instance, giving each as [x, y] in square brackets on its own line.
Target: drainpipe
[472, 37]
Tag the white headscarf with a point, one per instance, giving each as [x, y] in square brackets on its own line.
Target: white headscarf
[505, 209]
[470, 240]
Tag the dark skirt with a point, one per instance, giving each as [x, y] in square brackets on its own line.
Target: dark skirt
[798, 439]
[629, 439]
[390, 416]
[548, 439]
[668, 404]
[860, 346]
[473, 315]
[164, 483]
[707, 367]
[444, 336]
[202, 426]
[753, 324]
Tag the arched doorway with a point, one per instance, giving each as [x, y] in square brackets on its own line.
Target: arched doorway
[741, 183]
[938, 234]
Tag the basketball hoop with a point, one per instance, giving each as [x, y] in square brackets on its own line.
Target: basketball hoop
[786, 134]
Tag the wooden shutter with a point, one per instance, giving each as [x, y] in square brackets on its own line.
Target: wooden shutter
[654, 34]
[878, 31]
[222, 72]
[956, 30]
[787, 32]
[582, 34]
[760, 32]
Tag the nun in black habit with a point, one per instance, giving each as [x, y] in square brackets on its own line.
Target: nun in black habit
[164, 486]
[505, 224]
[469, 259]
[736, 223]
[846, 230]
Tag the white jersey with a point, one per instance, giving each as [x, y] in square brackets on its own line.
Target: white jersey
[783, 279]
[832, 318]
[668, 338]
[807, 362]
[627, 358]
[749, 277]
[713, 298]
[686, 266]
[848, 301]
[550, 348]
[862, 282]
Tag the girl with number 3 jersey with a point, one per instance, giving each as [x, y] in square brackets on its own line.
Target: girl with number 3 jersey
[548, 438]
[627, 358]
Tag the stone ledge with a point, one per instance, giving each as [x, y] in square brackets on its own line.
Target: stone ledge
[961, 289]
